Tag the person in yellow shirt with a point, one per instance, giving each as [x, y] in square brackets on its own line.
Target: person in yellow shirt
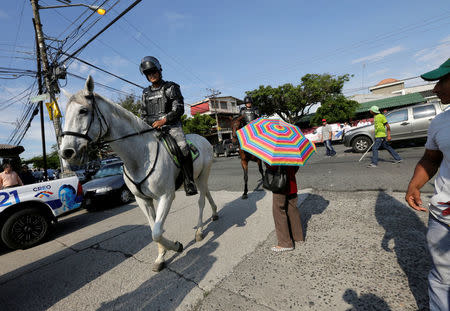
[9, 178]
[382, 136]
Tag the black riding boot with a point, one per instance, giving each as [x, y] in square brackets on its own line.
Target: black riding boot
[187, 168]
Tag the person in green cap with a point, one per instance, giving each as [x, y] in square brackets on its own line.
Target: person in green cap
[382, 136]
[436, 158]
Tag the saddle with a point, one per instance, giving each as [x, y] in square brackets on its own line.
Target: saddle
[175, 152]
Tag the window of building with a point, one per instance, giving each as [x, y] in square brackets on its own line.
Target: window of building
[223, 105]
[214, 104]
[424, 112]
[398, 116]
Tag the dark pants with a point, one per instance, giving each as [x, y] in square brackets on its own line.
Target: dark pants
[288, 225]
[381, 141]
[329, 148]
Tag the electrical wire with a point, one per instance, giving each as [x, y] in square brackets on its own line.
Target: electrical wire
[105, 86]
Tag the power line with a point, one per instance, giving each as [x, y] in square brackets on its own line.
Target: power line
[105, 71]
[105, 28]
[18, 28]
[105, 86]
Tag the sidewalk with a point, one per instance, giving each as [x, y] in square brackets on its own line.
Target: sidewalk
[362, 249]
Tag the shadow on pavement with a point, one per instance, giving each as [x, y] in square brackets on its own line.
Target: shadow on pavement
[408, 232]
[364, 302]
[313, 205]
[167, 289]
[75, 222]
[43, 283]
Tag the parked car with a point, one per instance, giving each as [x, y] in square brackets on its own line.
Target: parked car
[27, 212]
[225, 147]
[406, 123]
[107, 184]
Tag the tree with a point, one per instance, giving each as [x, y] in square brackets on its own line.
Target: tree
[199, 124]
[337, 109]
[130, 103]
[292, 102]
[52, 159]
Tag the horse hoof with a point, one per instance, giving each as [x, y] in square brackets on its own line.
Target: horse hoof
[158, 266]
[180, 247]
[198, 237]
[244, 196]
[214, 217]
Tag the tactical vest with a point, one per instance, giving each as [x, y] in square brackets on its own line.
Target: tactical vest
[249, 114]
[156, 103]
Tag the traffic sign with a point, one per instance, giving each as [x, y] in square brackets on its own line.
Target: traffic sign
[40, 98]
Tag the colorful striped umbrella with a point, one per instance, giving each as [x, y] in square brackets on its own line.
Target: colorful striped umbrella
[276, 142]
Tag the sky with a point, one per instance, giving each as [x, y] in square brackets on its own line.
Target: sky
[230, 46]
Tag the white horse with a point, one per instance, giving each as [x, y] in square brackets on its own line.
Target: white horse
[149, 170]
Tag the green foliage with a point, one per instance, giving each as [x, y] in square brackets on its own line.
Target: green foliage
[292, 102]
[199, 124]
[130, 103]
[336, 109]
[52, 159]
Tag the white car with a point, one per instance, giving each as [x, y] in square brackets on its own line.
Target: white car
[316, 135]
[26, 212]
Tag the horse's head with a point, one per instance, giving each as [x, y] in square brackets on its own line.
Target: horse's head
[84, 123]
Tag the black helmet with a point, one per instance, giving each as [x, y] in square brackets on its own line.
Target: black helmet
[248, 99]
[149, 62]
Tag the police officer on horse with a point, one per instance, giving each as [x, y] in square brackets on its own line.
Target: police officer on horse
[162, 108]
[248, 113]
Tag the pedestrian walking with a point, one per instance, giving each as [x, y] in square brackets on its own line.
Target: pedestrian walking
[288, 224]
[327, 135]
[9, 178]
[436, 158]
[382, 136]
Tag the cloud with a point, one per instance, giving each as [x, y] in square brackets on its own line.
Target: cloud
[176, 20]
[380, 55]
[115, 61]
[378, 72]
[3, 15]
[435, 55]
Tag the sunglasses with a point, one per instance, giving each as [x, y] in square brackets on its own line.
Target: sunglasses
[152, 71]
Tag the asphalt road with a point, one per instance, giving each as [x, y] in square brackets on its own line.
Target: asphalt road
[342, 172]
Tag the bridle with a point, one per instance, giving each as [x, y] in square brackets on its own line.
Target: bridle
[100, 118]
[103, 126]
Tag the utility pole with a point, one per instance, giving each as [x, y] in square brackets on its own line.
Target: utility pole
[212, 96]
[51, 84]
[41, 105]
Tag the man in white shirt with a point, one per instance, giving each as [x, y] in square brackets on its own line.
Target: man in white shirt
[436, 157]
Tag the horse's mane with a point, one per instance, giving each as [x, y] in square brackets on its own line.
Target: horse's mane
[137, 123]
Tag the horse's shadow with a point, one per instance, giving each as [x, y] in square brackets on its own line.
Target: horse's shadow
[408, 232]
[168, 289]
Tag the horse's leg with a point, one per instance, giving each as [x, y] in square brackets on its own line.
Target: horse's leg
[148, 209]
[244, 164]
[202, 183]
[201, 206]
[261, 171]
[164, 203]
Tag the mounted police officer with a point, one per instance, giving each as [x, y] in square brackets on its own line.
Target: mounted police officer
[248, 113]
[162, 108]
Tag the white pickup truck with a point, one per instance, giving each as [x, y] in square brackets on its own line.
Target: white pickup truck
[26, 212]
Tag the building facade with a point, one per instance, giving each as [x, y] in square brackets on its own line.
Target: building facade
[223, 109]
